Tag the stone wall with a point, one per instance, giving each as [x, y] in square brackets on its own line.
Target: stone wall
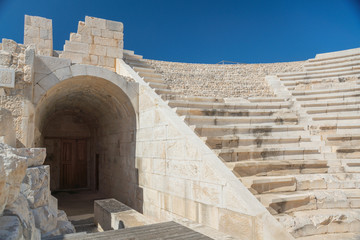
[16, 97]
[216, 80]
[97, 42]
[38, 31]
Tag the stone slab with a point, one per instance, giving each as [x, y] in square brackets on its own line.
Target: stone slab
[7, 77]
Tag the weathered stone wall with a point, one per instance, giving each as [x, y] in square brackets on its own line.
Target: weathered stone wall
[97, 42]
[17, 97]
[38, 31]
[216, 80]
[27, 209]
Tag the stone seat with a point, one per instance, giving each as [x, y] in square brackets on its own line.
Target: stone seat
[228, 141]
[339, 72]
[157, 85]
[336, 116]
[333, 109]
[321, 221]
[240, 112]
[257, 185]
[218, 105]
[166, 91]
[273, 130]
[348, 152]
[333, 102]
[137, 63]
[308, 81]
[277, 167]
[329, 96]
[219, 120]
[147, 74]
[128, 54]
[266, 99]
[143, 70]
[199, 99]
[248, 153]
[153, 80]
[327, 65]
[324, 91]
[337, 139]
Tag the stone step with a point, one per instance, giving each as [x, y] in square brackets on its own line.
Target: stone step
[344, 54]
[166, 92]
[220, 105]
[352, 62]
[230, 141]
[309, 81]
[265, 99]
[323, 70]
[158, 85]
[348, 152]
[347, 71]
[248, 153]
[240, 112]
[321, 221]
[143, 70]
[154, 80]
[218, 120]
[269, 130]
[325, 91]
[332, 102]
[150, 75]
[288, 202]
[336, 116]
[137, 63]
[333, 109]
[277, 167]
[132, 56]
[258, 185]
[196, 99]
[330, 96]
[343, 137]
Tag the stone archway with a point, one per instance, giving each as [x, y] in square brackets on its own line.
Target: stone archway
[87, 121]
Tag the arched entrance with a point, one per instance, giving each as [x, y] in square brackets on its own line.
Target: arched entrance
[88, 126]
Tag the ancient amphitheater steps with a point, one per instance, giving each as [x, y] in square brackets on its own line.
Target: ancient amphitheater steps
[277, 167]
[321, 221]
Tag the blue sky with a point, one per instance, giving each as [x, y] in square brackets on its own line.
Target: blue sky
[200, 31]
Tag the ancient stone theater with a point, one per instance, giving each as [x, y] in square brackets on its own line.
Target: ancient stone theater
[173, 150]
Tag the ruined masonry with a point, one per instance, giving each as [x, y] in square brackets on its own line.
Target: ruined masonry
[250, 151]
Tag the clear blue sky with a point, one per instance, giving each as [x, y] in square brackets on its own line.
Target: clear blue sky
[203, 31]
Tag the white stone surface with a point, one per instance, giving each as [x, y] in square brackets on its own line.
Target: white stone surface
[7, 78]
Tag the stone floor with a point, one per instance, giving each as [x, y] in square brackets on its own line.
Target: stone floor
[79, 207]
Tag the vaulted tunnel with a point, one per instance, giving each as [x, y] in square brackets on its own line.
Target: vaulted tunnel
[88, 126]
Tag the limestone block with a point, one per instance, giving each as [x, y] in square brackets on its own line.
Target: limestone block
[7, 127]
[95, 22]
[5, 58]
[97, 50]
[46, 65]
[9, 45]
[63, 226]
[10, 228]
[114, 26]
[106, 33]
[113, 52]
[105, 41]
[36, 187]
[45, 34]
[45, 218]
[76, 47]
[32, 32]
[39, 22]
[75, 57]
[7, 77]
[15, 168]
[118, 35]
[35, 156]
[75, 37]
[21, 209]
[96, 31]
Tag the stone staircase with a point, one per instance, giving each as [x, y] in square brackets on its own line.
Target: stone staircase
[294, 165]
